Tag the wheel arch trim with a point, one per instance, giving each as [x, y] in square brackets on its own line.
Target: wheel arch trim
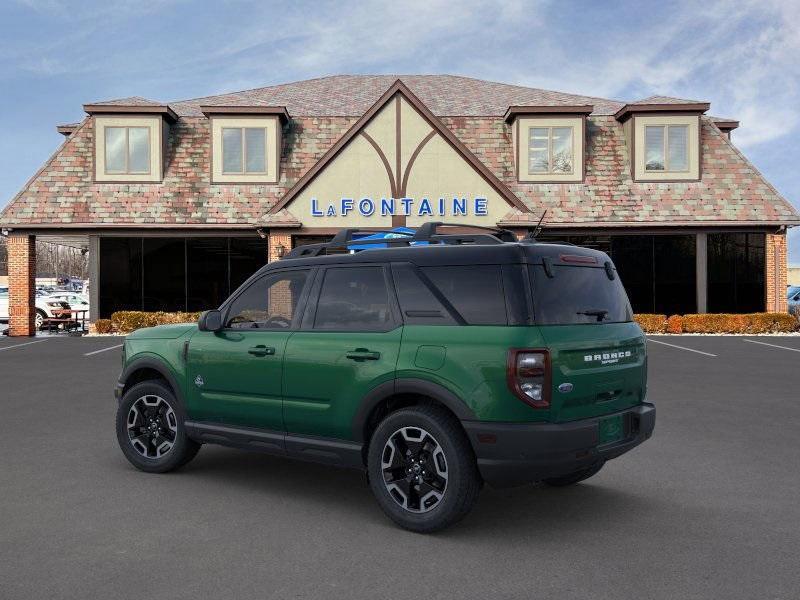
[149, 362]
[407, 385]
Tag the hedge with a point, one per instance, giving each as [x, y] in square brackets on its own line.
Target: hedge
[748, 323]
[129, 320]
[652, 323]
[125, 321]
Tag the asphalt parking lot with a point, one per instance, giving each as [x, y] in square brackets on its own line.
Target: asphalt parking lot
[708, 508]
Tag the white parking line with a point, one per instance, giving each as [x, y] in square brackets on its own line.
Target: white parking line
[20, 345]
[771, 345]
[103, 350]
[682, 348]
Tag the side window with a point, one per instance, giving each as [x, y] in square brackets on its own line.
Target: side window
[475, 291]
[417, 303]
[353, 298]
[269, 303]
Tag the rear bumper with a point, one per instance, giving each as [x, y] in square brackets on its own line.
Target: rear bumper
[516, 453]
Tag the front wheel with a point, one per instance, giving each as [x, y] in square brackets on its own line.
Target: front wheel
[150, 429]
[422, 470]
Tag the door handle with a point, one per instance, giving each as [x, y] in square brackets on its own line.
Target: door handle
[261, 350]
[360, 354]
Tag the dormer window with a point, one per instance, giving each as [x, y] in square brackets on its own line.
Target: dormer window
[548, 142]
[129, 140]
[127, 150]
[663, 138]
[666, 148]
[550, 150]
[245, 143]
[244, 150]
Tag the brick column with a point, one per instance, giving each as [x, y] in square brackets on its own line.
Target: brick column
[21, 284]
[775, 273]
[278, 238]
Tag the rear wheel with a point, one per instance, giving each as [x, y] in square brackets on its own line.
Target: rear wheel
[150, 429]
[39, 318]
[422, 469]
[575, 477]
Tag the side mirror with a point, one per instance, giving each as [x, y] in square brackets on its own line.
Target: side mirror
[210, 320]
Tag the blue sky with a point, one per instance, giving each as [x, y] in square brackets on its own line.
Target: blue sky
[56, 55]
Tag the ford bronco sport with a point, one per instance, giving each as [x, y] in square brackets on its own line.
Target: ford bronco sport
[435, 362]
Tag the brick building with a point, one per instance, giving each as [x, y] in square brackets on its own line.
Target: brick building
[178, 203]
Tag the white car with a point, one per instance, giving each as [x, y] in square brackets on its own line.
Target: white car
[74, 299]
[47, 307]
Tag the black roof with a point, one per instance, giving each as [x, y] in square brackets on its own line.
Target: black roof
[488, 246]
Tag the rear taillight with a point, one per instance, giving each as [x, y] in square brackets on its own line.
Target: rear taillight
[528, 375]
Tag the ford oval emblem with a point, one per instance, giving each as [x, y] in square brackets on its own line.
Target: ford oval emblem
[565, 388]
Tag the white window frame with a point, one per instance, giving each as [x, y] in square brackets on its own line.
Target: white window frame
[550, 170]
[243, 129]
[158, 132]
[635, 133]
[665, 148]
[521, 138]
[127, 170]
[272, 127]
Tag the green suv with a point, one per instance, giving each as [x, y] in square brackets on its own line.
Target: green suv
[435, 362]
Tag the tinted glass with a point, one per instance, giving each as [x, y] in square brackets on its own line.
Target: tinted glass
[120, 265]
[417, 303]
[255, 149]
[675, 267]
[231, 150]
[736, 272]
[207, 283]
[247, 256]
[115, 150]
[353, 299]
[138, 150]
[164, 278]
[268, 303]
[578, 295]
[475, 291]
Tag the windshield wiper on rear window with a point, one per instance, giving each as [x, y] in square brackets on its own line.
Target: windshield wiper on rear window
[594, 312]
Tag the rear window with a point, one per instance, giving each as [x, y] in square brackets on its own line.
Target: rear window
[578, 295]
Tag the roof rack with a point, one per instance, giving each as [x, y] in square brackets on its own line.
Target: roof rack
[426, 234]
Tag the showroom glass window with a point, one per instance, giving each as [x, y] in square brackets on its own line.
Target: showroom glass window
[550, 150]
[244, 150]
[127, 150]
[736, 272]
[666, 148]
[174, 274]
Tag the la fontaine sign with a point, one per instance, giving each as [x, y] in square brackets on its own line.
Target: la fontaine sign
[389, 207]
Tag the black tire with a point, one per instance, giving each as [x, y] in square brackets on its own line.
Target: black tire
[575, 477]
[462, 480]
[146, 451]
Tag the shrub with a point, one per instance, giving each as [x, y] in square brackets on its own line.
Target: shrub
[747, 323]
[675, 324]
[652, 323]
[126, 321]
[103, 326]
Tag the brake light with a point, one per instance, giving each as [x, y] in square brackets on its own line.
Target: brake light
[528, 376]
[578, 259]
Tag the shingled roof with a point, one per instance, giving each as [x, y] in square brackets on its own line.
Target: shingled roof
[352, 95]
[731, 191]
